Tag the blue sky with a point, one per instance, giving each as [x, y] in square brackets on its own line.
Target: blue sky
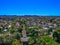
[27, 7]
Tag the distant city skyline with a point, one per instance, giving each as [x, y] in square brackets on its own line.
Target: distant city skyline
[30, 7]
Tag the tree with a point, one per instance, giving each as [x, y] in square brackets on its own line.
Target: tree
[31, 41]
[0, 30]
[56, 34]
[46, 40]
[34, 33]
[23, 21]
[19, 29]
[17, 36]
[12, 31]
[49, 30]
[16, 42]
[1, 40]
[42, 32]
[31, 32]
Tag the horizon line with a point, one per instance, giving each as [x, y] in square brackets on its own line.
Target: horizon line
[28, 15]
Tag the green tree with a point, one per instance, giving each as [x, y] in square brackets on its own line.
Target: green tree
[49, 30]
[19, 29]
[56, 34]
[0, 30]
[46, 40]
[31, 41]
[31, 32]
[12, 31]
[17, 36]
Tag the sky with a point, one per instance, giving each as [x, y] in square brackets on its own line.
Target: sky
[30, 7]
